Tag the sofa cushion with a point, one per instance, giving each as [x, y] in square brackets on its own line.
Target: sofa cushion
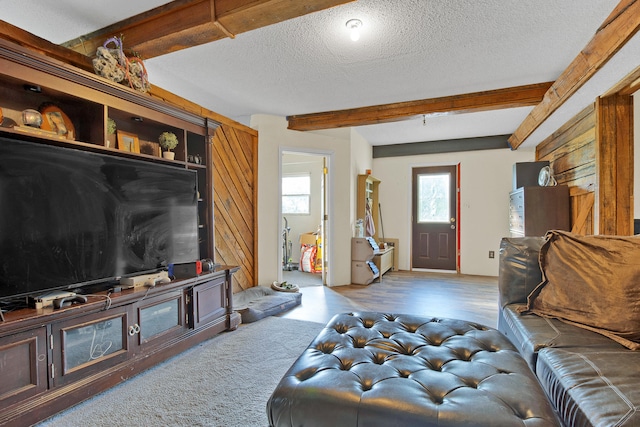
[519, 268]
[531, 333]
[590, 386]
[591, 282]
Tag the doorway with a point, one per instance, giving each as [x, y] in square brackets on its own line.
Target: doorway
[304, 246]
[434, 218]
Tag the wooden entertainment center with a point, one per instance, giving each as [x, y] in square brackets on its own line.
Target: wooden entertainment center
[55, 358]
[51, 359]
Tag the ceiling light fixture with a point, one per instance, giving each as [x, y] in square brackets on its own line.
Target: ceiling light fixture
[354, 27]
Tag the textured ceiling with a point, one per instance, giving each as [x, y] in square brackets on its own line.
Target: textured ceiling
[408, 50]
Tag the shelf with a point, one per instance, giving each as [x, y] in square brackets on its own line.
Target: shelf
[30, 80]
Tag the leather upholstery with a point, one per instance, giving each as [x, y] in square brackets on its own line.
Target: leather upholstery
[590, 379]
[595, 386]
[530, 333]
[375, 369]
[519, 272]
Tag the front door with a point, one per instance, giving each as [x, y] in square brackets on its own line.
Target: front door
[434, 218]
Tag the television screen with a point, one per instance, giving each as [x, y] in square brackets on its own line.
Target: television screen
[69, 218]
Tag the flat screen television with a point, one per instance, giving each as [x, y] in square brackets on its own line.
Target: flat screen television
[70, 218]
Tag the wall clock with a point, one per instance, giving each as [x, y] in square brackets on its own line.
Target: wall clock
[545, 179]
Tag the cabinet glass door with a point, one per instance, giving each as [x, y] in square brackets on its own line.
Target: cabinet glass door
[91, 342]
[81, 347]
[161, 316]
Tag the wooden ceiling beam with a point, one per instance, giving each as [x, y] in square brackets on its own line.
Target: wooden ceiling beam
[186, 23]
[513, 97]
[622, 24]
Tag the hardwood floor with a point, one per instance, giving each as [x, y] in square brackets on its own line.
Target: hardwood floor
[473, 298]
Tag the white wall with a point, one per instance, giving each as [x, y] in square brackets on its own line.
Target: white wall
[486, 180]
[273, 138]
[293, 164]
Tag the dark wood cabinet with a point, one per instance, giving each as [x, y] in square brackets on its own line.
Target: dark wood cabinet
[535, 210]
[207, 301]
[86, 345]
[23, 365]
[52, 359]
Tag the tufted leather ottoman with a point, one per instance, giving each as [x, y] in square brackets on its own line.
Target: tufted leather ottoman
[375, 369]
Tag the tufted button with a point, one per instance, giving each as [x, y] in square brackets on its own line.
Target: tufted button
[379, 358]
[360, 342]
[325, 347]
[368, 323]
[346, 365]
[437, 400]
[366, 385]
[341, 328]
[404, 374]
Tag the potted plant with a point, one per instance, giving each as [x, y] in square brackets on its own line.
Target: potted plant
[111, 133]
[168, 141]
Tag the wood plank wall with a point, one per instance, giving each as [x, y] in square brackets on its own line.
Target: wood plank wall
[571, 151]
[593, 155]
[614, 157]
[235, 169]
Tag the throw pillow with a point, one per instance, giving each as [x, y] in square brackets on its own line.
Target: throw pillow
[592, 282]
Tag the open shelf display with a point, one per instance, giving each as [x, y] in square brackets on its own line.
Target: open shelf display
[144, 326]
[29, 81]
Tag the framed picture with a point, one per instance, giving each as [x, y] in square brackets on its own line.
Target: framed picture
[151, 148]
[55, 120]
[128, 142]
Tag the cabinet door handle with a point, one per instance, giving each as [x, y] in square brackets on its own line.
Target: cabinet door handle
[134, 329]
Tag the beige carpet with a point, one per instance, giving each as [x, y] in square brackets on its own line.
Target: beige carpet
[225, 381]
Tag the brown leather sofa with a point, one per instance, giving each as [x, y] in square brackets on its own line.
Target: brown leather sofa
[590, 379]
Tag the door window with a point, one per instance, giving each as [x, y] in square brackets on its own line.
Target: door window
[434, 198]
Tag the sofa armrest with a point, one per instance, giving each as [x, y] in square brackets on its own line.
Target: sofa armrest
[519, 271]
